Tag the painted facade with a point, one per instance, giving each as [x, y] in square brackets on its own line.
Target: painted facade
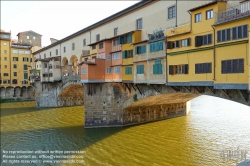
[140, 16]
[213, 55]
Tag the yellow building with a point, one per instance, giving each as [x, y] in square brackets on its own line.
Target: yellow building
[5, 66]
[195, 57]
[16, 61]
[127, 40]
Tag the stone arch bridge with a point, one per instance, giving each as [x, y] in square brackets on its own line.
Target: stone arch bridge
[109, 104]
[69, 92]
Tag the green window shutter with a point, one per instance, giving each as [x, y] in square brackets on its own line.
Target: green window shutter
[160, 68]
[137, 69]
[154, 69]
[25, 67]
[30, 59]
[129, 38]
[144, 49]
[17, 58]
[126, 54]
[171, 69]
[25, 76]
[161, 45]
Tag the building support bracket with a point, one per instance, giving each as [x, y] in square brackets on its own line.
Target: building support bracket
[139, 89]
[200, 90]
[128, 87]
[189, 89]
[244, 95]
[224, 92]
[175, 88]
[157, 90]
[211, 89]
[133, 87]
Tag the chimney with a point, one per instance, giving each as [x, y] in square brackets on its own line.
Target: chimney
[52, 40]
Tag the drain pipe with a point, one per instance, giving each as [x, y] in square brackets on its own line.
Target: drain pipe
[214, 52]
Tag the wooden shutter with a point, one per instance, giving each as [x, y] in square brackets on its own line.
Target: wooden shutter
[223, 35]
[171, 69]
[169, 45]
[241, 66]
[186, 68]
[239, 32]
[228, 34]
[235, 66]
[223, 67]
[209, 68]
[198, 41]
[245, 31]
[188, 41]
[234, 33]
[229, 66]
[196, 68]
[177, 43]
[205, 39]
[210, 38]
[219, 36]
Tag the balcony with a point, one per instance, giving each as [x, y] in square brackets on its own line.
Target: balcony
[233, 13]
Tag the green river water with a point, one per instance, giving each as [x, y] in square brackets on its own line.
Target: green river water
[213, 126]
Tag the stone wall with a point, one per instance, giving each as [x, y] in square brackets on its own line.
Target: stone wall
[18, 92]
[23, 37]
[104, 103]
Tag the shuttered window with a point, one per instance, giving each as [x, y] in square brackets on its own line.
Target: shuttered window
[157, 46]
[128, 70]
[127, 54]
[240, 32]
[25, 75]
[178, 69]
[203, 40]
[201, 68]
[140, 50]
[232, 66]
[140, 69]
[25, 67]
[157, 67]
[125, 39]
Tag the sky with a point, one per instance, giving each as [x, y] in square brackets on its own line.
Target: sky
[55, 19]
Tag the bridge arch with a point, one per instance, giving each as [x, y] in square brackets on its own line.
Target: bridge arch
[71, 95]
[74, 64]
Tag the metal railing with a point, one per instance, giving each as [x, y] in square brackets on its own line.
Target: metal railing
[233, 13]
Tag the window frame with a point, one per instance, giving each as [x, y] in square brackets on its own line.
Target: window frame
[200, 17]
[138, 24]
[209, 13]
[173, 15]
[116, 31]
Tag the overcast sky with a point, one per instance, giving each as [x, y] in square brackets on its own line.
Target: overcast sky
[55, 19]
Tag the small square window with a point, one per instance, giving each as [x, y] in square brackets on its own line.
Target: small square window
[5, 44]
[34, 38]
[64, 49]
[5, 51]
[209, 14]
[28, 37]
[73, 46]
[139, 23]
[171, 12]
[5, 58]
[198, 17]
